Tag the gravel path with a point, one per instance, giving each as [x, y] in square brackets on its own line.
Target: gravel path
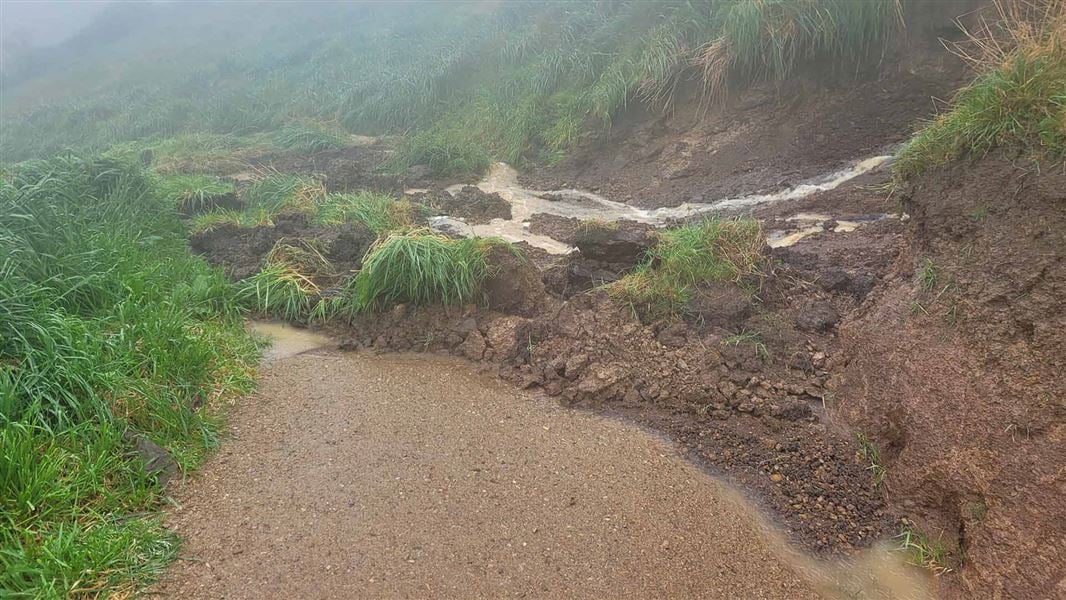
[360, 476]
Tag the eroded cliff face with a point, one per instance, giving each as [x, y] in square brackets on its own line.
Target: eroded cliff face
[955, 369]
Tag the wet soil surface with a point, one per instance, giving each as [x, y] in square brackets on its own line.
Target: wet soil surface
[768, 138]
[240, 251]
[350, 475]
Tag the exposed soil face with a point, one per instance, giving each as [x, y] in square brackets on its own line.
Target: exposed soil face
[240, 251]
[768, 138]
[955, 368]
[355, 476]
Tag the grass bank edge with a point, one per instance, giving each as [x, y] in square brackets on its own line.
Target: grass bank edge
[108, 327]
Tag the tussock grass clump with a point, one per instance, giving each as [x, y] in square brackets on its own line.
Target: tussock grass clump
[684, 258]
[448, 151]
[283, 192]
[379, 212]
[107, 325]
[421, 267]
[193, 193]
[288, 285]
[308, 137]
[1019, 100]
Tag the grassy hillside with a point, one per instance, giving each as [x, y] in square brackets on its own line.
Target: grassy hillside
[110, 333]
[466, 81]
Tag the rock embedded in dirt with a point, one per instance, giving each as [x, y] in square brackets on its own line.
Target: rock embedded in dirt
[156, 460]
[818, 317]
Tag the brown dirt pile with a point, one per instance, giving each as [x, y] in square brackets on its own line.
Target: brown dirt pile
[469, 203]
[954, 367]
[240, 251]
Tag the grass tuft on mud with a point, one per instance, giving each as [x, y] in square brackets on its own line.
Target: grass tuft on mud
[714, 250]
[193, 193]
[421, 267]
[1019, 100]
[109, 330]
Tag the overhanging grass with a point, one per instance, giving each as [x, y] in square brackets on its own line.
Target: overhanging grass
[686, 257]
[281, 192]
[1019, 101]
[421, 267]
[288, 285]
[107, 324]
[192, 193]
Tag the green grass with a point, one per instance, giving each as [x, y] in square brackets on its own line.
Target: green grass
[1019, 101]
[193, 193]
[421, 267]
[308, 137]
[869, 454]
[283, 192]
[748, 338]
[923, 551]
[686, 257]
[379, 212]
[289, 287]
[107, 324]
[928, 276]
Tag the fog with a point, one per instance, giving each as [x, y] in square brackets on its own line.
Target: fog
[40, 23]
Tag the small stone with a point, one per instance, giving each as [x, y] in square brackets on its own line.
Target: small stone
[777, 477]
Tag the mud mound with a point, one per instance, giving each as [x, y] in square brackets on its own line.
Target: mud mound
[956, 371]
[470, 204]
[240, 251]
[515, 286]
[606, 251]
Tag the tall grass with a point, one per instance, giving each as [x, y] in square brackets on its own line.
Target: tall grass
[687, 257]
[421, 267]
[1018, 100]
[193, 193]
[107, 325]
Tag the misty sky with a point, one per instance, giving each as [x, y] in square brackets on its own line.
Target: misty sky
[45, 22]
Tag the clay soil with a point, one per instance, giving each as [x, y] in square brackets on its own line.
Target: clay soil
[954, 366]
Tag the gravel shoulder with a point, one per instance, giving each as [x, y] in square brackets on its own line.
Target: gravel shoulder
[355, 475]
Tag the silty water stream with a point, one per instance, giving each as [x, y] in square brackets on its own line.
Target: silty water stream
[503, 180]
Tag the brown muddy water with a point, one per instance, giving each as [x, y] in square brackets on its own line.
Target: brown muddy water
[502, 179]
[717, 539]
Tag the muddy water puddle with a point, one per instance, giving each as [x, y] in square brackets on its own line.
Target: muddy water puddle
[874, 573]
[503, 180]
[286, 340]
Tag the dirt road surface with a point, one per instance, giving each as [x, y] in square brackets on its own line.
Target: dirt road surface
[360, 476]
